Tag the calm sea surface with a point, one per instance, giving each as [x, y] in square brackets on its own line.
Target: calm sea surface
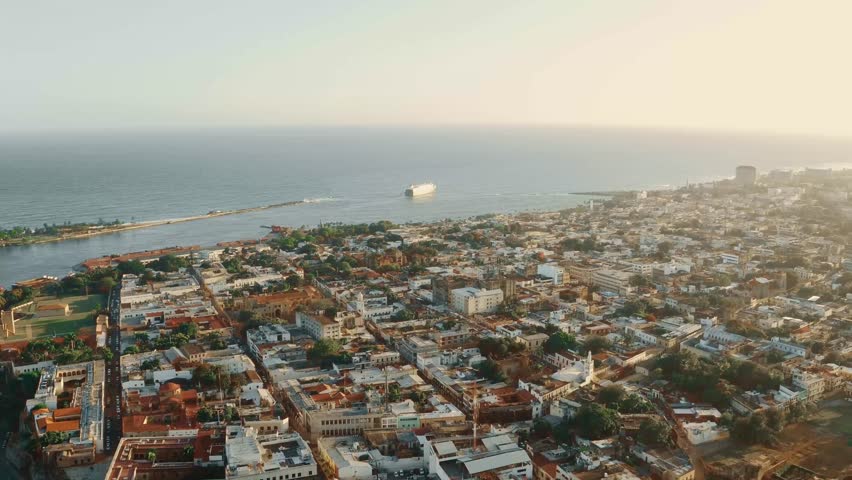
[354, 174]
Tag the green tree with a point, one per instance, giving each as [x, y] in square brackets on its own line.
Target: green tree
[634, 403]
[663, 250]
[106, 284]
[796, 412]
[653, 431]
[134, 267]
[394, 394]
[491, 370]
[594, 421]
[792, 280]
[190, 329]
[403, 315]
[560, 342]
[150, 364]
[205, 414]
[753, 430]
[493, 347]
[73, 284]
[230, 414]
[775, 419]
[324, 348]
[595, 344]
[151, 456]
[107, 354]
[542, 428]
[817, 348]
[235, 382]
[169, 263]
[612, 395]
[206, 375]
[775, 356]
[53, 438]
[71, 340]
[294, 281]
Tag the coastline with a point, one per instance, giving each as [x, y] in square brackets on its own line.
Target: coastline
[58, 258]
[609, 194]
[153, 223]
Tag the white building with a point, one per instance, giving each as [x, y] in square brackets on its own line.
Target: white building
[253, 455]
[813, 383]
[787, 346]
[703, 432]
[266, 334]
[728, 258]
[616, 281]
[319, 326]
[552, 271]
[472, 301]
[89, 394]
[345, 458]
[719, 334]
[238, 363]
[453, 459]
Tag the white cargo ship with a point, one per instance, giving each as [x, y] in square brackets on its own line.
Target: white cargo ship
[420, 189]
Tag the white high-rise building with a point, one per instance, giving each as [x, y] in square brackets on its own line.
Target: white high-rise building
[552, 271]
[472, 301]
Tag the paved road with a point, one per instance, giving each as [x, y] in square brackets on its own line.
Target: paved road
[112, 414]
[7, 469]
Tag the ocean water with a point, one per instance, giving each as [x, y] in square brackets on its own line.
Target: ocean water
[352, 175]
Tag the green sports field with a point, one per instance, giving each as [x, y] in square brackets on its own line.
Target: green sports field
[81, 316]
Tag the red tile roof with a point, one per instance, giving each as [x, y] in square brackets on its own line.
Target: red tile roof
[69, 426]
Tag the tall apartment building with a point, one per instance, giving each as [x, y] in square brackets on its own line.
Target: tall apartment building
[318, 325]
[413, 346]
[582, 272]
[472, 301]
[612, 280]
[553, 272]
[443, 285]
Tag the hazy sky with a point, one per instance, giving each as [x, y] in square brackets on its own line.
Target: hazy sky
[770, 65]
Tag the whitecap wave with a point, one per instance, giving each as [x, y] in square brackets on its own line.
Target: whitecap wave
[319, 200]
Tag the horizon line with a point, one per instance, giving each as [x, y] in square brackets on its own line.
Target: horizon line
[177, 128]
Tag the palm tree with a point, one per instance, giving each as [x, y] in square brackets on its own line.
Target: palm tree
[72, 339]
